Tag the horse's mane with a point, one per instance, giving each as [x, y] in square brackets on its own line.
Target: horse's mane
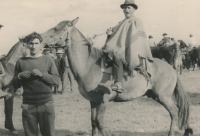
[95, 52]
[14, 54]
[182, 43]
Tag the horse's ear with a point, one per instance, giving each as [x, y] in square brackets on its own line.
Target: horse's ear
[74, 21]
[21, 39]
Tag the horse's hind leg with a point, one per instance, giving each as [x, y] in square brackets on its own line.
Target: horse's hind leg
[169, 104]
[97, 116]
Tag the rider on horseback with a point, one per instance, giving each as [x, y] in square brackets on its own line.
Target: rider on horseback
[128, 45]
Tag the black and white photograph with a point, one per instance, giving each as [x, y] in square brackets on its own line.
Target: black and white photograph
[99, 68]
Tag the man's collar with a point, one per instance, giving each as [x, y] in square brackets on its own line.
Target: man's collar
[35, 56]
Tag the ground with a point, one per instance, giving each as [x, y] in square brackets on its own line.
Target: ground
[141, 117]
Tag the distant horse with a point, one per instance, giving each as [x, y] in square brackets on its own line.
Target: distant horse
[166, 52]
[195, 56]
[9, 61]
[164, 87]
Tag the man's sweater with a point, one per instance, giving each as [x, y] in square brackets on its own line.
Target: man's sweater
[36, 89]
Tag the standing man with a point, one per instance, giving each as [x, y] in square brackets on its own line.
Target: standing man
[151, 41]
[36, 73]
[60, 67]
[2, 56]
[128, 44]
[68, 77]
[47, 51]
[192, 42]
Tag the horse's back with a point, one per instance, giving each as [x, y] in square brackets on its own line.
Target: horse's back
[163, 77]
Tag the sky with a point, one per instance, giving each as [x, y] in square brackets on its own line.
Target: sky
[177, 18]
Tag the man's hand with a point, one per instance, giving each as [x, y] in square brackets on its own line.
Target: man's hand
[24, 74]
[36, 72]
[109, 31]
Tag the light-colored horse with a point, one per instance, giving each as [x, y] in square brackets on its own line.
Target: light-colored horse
[57, 33]
[165, 87]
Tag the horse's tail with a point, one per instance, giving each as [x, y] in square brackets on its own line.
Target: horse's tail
[183, 106]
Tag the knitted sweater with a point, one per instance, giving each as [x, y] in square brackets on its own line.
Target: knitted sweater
[36, 89]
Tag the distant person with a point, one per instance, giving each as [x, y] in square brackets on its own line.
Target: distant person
[47, 51]
[172, 41]
[67, 75]
[1, 71]
[165, 40]
[60, 67]
[192, 42]
[1, 26]
[151, 41]
[36, 73]
[53, 50]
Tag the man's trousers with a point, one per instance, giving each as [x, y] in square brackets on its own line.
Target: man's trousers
[42, 115]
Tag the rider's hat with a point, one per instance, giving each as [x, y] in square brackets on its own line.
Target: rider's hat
[129, 3]
[59, 51]
[150, 36]
[164, 34]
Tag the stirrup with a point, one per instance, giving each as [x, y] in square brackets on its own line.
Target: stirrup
[117, 87]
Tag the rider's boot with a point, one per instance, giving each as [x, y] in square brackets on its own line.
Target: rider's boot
[117, 87]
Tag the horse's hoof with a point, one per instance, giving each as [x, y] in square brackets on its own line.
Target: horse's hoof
[14, 132]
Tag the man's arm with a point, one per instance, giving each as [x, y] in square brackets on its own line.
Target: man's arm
[51, 78]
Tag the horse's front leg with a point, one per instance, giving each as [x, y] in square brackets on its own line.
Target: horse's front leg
[8, 110]
[93, 119]
[97, 117]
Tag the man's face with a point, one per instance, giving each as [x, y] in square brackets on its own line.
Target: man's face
[47, 52]
[34, 46]
[128, 11]
[59, 55]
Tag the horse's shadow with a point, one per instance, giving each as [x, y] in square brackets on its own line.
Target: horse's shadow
[4, 132]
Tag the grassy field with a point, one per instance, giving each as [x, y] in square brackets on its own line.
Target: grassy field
[141, 117]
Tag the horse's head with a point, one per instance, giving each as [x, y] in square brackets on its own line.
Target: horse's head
[74, 36]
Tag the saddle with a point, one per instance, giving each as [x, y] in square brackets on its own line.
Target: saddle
[107, 69]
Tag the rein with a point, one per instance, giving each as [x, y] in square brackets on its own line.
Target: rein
[85, 39]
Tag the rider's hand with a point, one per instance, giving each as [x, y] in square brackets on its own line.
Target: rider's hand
[109, 31]
[36, 72]
[24, 74]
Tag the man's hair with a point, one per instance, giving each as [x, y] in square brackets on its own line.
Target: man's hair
[32, 36]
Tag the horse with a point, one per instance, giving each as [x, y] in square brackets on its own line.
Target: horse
[194, 54]
[166, 52]
[53, 35]
[164, 85]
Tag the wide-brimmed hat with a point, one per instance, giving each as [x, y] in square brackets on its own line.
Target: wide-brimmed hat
[45, 45]
[129, 3]
[164, 34]
[190, 35]
[150, 36]
[60, 51]
[46, 49]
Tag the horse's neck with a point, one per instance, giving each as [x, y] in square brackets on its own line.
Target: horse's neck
[14, 54]
[81, 61]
